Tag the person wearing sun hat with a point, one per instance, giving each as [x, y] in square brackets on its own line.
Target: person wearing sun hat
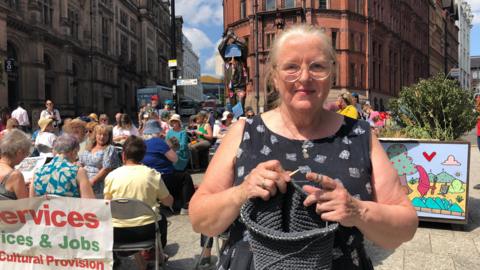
[161, 156]
[178, 132]
[46, 137]
[93, 116]
[220, 129]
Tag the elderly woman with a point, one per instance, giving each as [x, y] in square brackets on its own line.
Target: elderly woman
[203, 137]
[14, 147]
[78, 129]
[255, 157]
[124, 129]
[100, 158]
[161, 157]
[61, 176]
[183, 154]
[45, 138]
[346, 106]
[12, 123]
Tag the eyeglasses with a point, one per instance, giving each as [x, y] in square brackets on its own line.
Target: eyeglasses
[250, 115]
[318, 70]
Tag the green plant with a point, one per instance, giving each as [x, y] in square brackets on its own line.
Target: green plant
[434, 108]
[413, 181]
[459, 199]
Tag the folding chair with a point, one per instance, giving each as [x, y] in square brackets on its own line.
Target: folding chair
[4, 198]
[216, 239]
[125, 208]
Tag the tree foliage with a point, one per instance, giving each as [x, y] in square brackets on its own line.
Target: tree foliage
[435, 108]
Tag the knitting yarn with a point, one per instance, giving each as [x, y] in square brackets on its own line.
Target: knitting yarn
[284, 234]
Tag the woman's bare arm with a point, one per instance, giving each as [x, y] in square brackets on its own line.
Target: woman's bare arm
[216, 204]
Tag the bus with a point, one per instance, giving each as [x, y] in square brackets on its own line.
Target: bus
[144, 94]
[187, 107]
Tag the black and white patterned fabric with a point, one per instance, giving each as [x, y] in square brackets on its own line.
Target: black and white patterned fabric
[344, 156]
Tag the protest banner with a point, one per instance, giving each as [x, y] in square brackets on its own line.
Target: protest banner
[55, 233]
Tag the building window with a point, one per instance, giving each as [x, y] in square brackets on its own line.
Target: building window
[352, 75]
[123, 18]
[133, 55]
[123, 46]
[47, 11]
[362, 75]
[150, 61]
[270, 5]
[270, 37]
[15, 4]
[105, 35]
[289, 3]
[322, 4]
[133, 25]
[243, 9]
[352, 41]
[73, 21]
[334, 38]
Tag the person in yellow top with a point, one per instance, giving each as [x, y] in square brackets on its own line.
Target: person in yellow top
[344, 102]
[136, 181]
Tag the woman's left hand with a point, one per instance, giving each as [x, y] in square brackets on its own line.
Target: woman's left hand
[333, 202]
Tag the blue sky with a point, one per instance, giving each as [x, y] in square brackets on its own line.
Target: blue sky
[475, 33]
[203, 25]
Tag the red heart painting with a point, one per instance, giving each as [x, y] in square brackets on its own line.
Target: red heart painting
[429, 157]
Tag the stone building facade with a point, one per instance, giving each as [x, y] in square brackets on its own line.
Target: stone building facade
[85, 55]
[381, 45]
[191, 70]
[464, 24]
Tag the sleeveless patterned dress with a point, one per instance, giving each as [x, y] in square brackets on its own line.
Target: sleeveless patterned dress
[344, 156]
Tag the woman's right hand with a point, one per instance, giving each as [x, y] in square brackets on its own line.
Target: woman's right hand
[265, 180]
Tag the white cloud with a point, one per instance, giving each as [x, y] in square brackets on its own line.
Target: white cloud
[198, 39]
[196, 12]
[212, 62]
[475, 5]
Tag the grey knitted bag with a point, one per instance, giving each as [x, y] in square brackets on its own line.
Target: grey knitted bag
[284, 234]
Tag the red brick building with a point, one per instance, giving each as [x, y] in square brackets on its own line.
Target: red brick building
[382, 45]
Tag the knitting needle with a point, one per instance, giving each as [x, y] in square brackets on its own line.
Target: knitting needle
[294, 172]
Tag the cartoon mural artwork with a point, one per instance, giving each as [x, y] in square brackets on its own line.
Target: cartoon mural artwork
[435, 175]
[397, 153]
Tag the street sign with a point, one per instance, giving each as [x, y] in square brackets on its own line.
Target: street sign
[187, 82]
[172, 63]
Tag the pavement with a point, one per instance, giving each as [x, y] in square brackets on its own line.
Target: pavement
[434, 246]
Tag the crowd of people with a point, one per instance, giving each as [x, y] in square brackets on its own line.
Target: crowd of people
[89, 157]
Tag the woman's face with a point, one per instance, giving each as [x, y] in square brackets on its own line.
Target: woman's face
[305, 92]
[341, 103]
[175, 124]
[101, 138]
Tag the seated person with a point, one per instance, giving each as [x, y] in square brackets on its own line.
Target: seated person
[61, 176]
[177, 131]
[45, 138]
[203, 138]
[137, 181]
[160, 156]
[124, 129]
[14, 147]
